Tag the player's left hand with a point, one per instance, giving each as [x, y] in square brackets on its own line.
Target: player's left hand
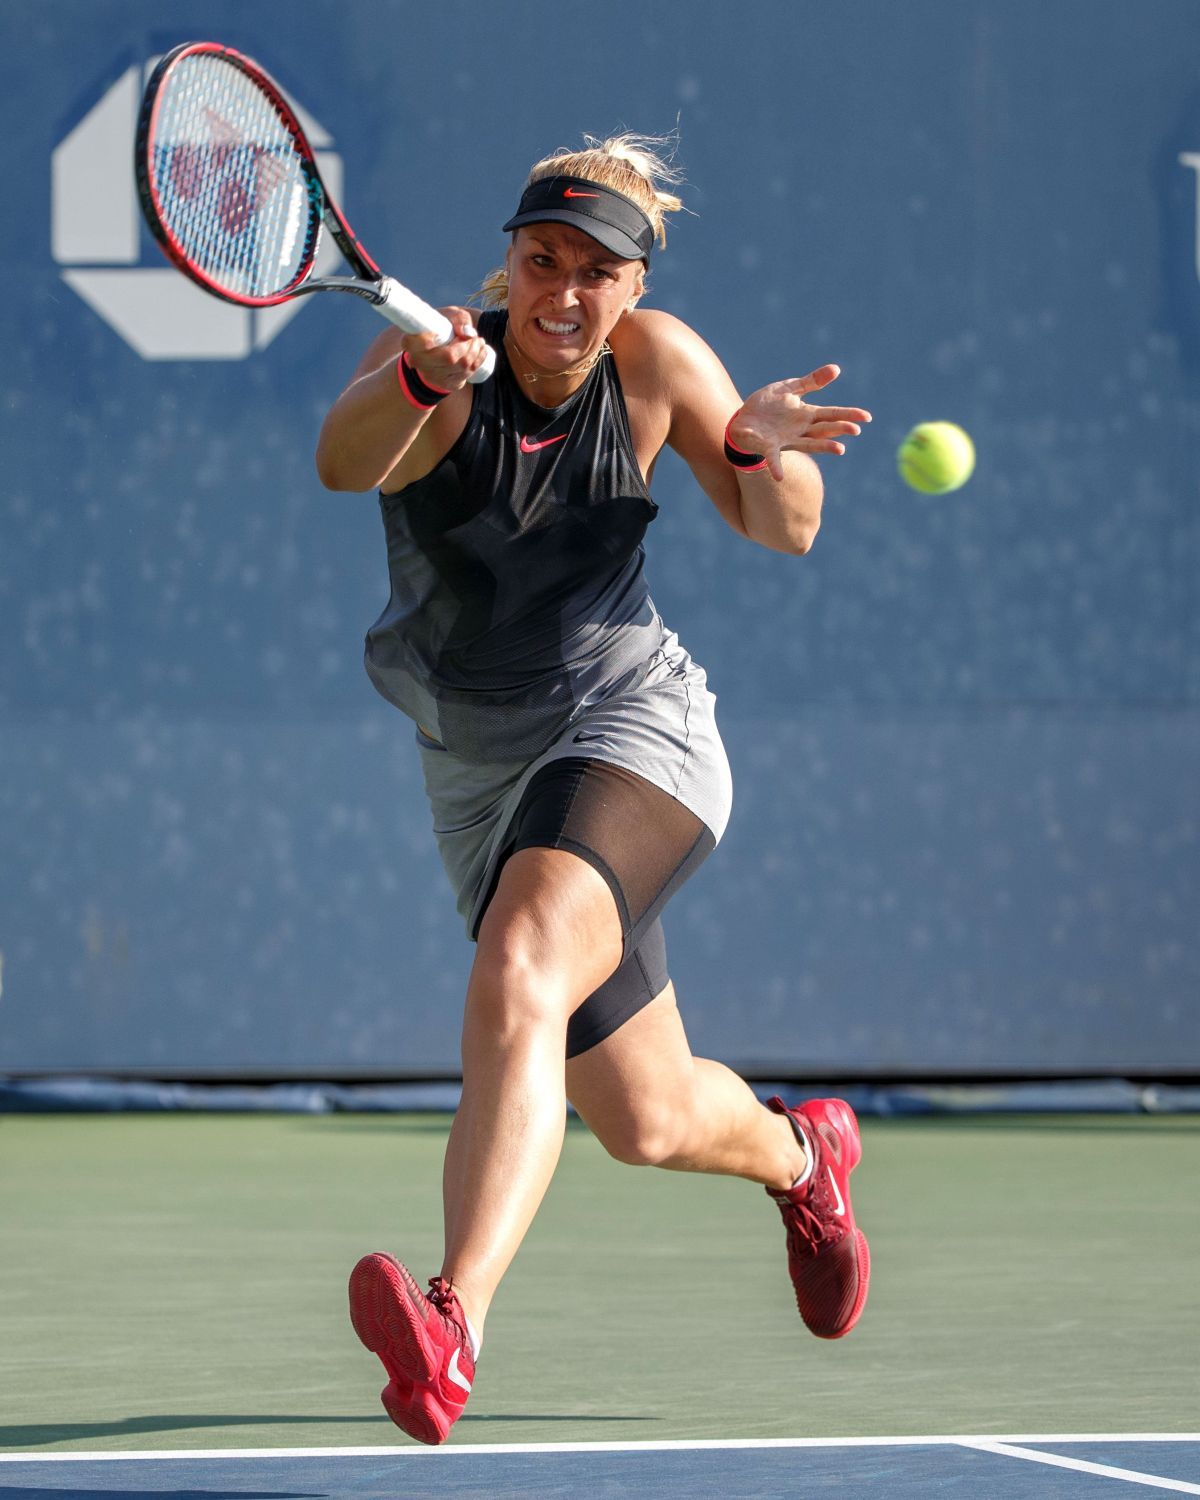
[777, 418]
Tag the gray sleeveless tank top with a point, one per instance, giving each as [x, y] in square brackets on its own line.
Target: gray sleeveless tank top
[518, 594]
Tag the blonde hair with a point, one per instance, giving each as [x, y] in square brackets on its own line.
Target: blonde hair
[640, 166]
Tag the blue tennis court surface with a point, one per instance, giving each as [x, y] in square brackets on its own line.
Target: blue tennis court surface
[993, 1468]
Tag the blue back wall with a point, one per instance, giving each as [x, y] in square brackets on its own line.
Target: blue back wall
[964, 731]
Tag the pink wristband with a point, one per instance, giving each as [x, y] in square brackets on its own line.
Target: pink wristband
[749, 463]
[416, 388]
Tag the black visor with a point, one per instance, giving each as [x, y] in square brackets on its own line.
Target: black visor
[612, 219]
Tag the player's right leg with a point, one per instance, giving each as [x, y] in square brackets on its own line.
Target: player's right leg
[550, 937]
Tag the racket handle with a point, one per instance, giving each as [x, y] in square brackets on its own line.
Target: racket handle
[406, 310]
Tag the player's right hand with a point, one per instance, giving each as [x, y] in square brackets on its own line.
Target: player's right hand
[447, 367]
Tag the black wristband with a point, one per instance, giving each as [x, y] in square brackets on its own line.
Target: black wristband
[749, 463]
[422, 395]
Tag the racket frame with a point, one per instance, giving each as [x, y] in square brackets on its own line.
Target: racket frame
[389, 297]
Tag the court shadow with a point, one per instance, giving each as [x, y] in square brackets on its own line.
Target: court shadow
[37, 1435]
[27, 1435]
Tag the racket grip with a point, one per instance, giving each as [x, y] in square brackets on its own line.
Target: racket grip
[406, 310]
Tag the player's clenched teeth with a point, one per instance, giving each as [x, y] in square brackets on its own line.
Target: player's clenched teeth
[547, 327]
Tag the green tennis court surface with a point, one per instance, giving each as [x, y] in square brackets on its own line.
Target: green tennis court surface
[178, 1283]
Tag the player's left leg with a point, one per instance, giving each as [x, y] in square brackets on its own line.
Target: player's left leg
[651, 1103]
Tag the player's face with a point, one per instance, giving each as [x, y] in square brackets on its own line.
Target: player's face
[566, 293]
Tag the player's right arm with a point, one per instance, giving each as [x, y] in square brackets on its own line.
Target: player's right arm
[375, 436]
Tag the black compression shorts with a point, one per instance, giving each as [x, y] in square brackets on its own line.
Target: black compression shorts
[642, 841]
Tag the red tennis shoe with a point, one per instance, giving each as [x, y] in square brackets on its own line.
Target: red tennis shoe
[828, 1257]
[422, 1341]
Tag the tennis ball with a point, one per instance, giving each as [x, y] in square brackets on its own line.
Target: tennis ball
[936, 457]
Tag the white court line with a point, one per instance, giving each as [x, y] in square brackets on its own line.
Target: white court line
[666, 1445]
[1061, 1461]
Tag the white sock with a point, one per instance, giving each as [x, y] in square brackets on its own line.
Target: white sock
[808, 1154]
[476, 1341]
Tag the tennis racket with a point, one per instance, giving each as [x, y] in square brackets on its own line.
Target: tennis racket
[229, 186]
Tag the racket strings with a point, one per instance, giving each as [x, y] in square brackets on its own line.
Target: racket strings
[229, 180]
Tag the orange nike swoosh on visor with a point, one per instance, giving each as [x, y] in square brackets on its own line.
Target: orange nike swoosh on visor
[571, 193]
[528, 447]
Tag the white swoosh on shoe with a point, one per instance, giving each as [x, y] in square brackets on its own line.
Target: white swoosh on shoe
[841, 1207]
[456, 1376]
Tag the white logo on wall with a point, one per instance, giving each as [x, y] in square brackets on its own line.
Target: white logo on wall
[96, 235]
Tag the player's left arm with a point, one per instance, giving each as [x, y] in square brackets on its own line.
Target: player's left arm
[778, 506]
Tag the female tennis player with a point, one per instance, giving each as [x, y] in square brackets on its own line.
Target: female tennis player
[568, 741]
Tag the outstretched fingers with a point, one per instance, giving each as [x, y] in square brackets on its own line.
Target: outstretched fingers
[778, 419]
[830, 423]
[851, 418]
[818, 379]
[815, 380]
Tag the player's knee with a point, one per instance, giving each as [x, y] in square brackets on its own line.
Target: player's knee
[649, 1136]
[515, 985]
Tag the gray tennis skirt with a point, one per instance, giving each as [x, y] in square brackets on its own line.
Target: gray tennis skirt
[663, 729]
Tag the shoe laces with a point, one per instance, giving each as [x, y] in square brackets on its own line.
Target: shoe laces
[806, 1230]
[445, 1299]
